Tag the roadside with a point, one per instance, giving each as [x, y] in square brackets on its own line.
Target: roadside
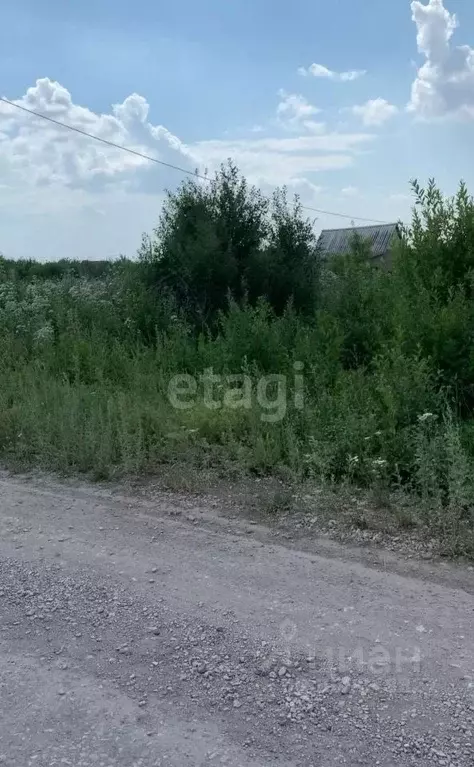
[159, 628]
[343, 522]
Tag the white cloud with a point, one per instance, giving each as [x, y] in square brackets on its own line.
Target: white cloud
[294, 105]
[303, 187]
[350, 191]
[318, 70]
[40, 152]
[134, 108]
[278, 160]
[266, 165]
[64, 194]
[444, 85]
[375, 111]
[294, 112]
[37, 152]
[328, 142]
[283, 159]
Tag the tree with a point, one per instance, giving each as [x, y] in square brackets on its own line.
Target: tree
[292, 257]
[224, 239]
[434, 274]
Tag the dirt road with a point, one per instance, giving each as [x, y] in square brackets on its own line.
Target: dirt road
[143, 633]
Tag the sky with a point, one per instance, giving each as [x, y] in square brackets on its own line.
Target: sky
[344, 102]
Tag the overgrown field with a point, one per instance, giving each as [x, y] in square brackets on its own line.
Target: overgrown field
[339, 373]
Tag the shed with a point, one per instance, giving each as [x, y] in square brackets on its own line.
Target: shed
[380, 238]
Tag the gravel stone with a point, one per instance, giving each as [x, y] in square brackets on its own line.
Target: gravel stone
[83, 680]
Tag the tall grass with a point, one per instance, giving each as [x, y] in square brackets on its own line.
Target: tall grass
[386, 359]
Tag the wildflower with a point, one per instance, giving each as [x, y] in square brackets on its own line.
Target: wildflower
[375, 434]
[426, 417]
[44, 334]
[353, 459]
[379, 462]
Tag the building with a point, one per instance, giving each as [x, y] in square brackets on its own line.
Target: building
[380, 238]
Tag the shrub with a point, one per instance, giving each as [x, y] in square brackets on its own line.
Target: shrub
[232, 282]
[224, 241]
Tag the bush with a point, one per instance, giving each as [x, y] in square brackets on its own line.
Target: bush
[224, 240]
[233, 284]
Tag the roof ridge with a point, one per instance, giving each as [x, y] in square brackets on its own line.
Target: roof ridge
[339, 240]
[366, 226]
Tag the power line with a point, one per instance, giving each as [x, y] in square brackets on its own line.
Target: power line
[112, 144]
[102, 140]
[345, 215]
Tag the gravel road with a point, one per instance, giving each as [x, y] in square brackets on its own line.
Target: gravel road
[149, 631]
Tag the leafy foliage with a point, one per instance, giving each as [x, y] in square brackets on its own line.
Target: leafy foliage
[232, 283]
[224, 241]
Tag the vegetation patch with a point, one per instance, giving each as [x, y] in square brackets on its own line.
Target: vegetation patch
[232, 346]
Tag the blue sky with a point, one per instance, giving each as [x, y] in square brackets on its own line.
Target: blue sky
[344, 102]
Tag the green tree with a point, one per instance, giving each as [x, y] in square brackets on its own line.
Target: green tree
[433, 286]
[206, 238]
[224, 240]
[288, 268]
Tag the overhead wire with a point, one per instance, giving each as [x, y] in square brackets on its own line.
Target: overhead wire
[150, 158]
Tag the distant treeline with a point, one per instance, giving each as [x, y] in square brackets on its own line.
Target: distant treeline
[50, 270]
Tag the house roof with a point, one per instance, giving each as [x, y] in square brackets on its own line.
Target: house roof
[338, 241]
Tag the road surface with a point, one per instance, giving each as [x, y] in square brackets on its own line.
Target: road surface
[156, 632]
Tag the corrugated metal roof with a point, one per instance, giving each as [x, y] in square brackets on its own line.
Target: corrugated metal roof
[338, 241]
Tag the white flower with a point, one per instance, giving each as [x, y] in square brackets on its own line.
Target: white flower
[375, 434]
[44, 334]
[426, 417]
